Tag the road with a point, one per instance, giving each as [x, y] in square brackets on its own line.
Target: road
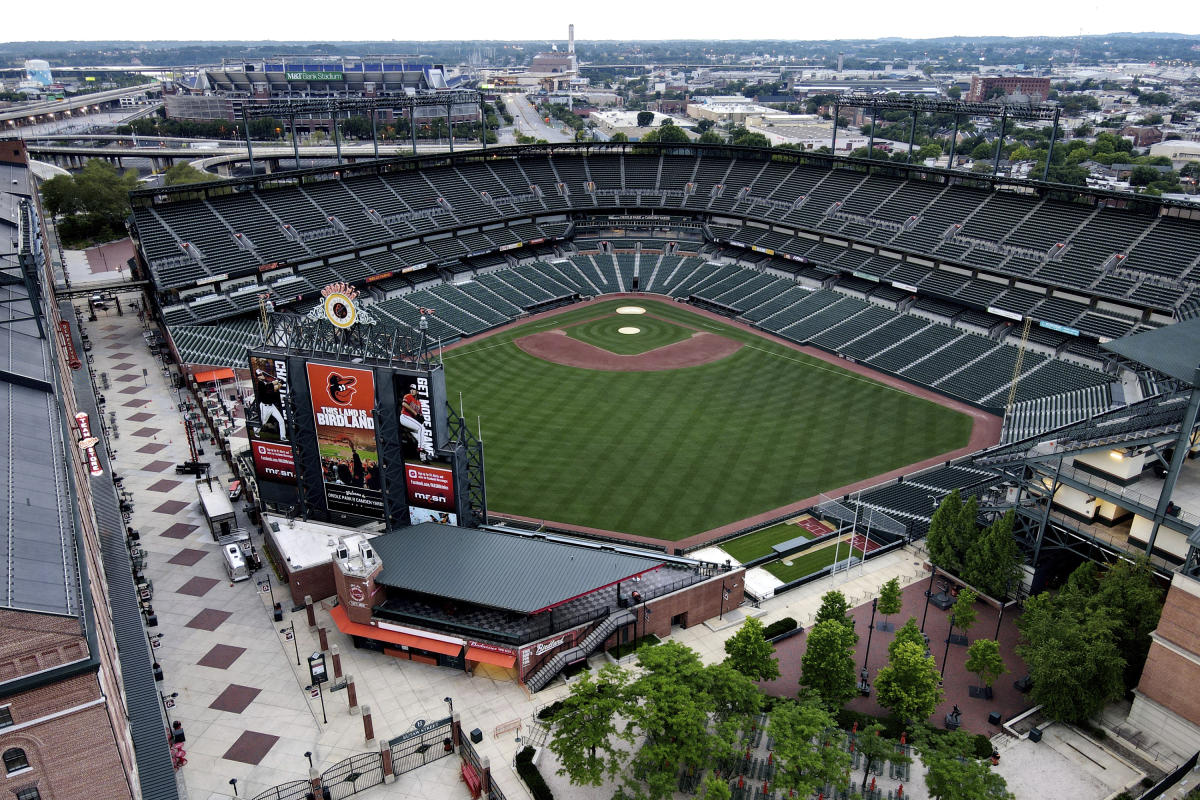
[530, 123]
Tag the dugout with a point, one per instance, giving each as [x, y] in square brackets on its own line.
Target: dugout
[513, 604]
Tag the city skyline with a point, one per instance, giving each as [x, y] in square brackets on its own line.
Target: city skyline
[539, 19]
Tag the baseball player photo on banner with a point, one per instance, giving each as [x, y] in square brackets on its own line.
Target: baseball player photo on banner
[268, 434]
[343, 399]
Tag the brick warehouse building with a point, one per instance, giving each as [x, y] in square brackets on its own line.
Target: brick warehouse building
[78, 711]
[527, 604]
[1037, 89]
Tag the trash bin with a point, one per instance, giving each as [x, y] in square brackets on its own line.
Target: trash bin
[1035, 735]
[477, 736]
[994, 718]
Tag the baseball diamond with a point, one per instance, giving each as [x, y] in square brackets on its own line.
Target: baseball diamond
[668, 449]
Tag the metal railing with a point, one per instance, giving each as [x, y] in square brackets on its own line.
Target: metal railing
[354, 774]
[292, 790]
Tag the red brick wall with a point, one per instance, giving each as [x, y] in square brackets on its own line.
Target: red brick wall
[1178, 620]
[316, 581]
[75, 755]
[32, 642]
[699, 602]
[1171, 680]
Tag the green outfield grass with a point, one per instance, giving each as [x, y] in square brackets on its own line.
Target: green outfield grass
[673, 453]
[753, 545]
[808, 563]
[605, 333]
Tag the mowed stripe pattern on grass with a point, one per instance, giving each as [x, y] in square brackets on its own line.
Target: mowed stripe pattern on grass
[605, 332]
[669, 454]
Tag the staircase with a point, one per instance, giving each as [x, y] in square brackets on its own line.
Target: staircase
[588, 645]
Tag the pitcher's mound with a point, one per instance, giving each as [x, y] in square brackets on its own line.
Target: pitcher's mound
[629, 331]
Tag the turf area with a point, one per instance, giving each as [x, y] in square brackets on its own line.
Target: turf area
[753, 545]
[673, 453]
[605, 333]
[809, 562]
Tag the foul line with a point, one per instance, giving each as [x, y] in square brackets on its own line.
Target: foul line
[826, 368]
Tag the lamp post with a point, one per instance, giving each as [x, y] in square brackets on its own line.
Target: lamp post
[928, 592]
[233, 783]
[308, 755]
[164, 698]
[870, 630]
[946, 655]
[450, 702]
[290, 631]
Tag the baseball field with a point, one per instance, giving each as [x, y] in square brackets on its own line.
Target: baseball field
[643, 417]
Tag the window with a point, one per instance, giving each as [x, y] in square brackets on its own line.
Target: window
[15, 760]
[29, 793]
[5, 716]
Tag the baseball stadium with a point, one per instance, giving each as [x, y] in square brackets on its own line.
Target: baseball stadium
[791, 355]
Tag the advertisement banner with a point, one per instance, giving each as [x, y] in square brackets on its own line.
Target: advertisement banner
[313, 76]
[269, 438]
[430, 493]
[343, 399]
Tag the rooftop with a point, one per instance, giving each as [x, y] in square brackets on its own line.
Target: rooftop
[36, 521]
[1173, 350]
[507, 571]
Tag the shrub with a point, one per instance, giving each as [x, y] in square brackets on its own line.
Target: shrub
[629, 648]
[550, 710]
[532, 777]
[779, 626]
[983, 746]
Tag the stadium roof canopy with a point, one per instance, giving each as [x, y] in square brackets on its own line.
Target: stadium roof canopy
[508, 571]
[1173, 350]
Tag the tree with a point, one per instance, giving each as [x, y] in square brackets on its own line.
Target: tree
[645, 119]
[750, 654]
[827, 666]
[672, 705]
[754, 139]
[993, 563]
[711, 137]
[806, 753]
[835, 608]
[965, 532]
[1131, 593]
[585, 733]
[618, 137]
[669, 134]
[716, 788]
[983, 659]
[704, 125]
[1143, 176]
[94, 202]
[1072, 657]
[876, 748]
[908, 685]
[962, 613]
[889, 598]
[60, 196]
[941, 533]
[908, 632]
[185, 173]
[953, 772]
[666, 121]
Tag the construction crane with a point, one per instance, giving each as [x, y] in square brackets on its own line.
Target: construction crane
[1012, 392]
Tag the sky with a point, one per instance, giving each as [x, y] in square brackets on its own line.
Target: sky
[543, 19]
